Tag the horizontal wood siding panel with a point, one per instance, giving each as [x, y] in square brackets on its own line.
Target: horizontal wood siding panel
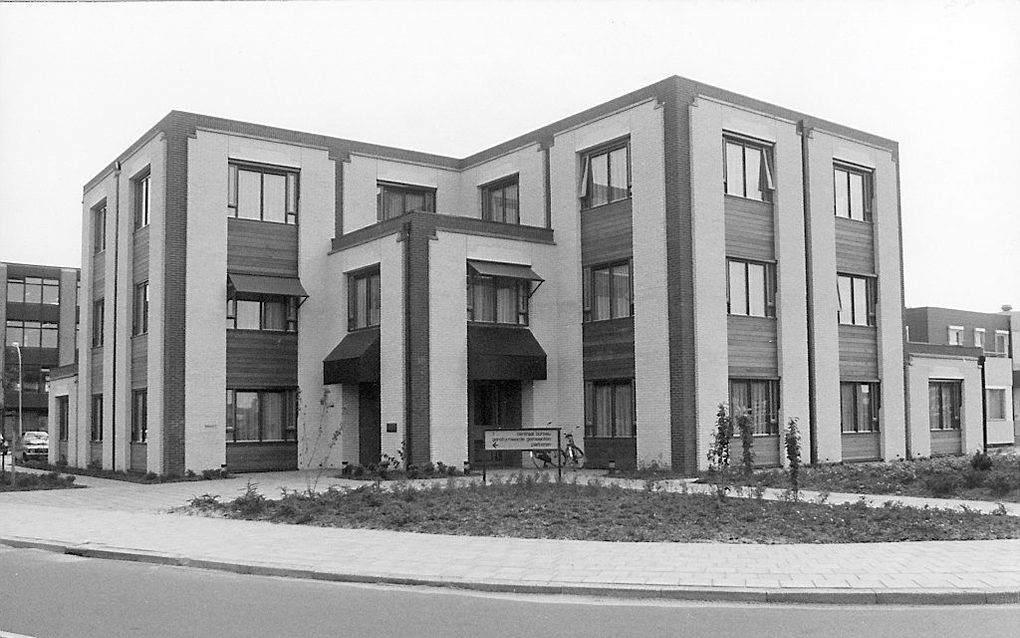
[96, 370]
[861, 446]
[750, 229]
[764, 448]
[261, 457]
[608, 349]
[607, 234]
[946, 442]
[752, 347]
[855, 246]
[140, 256]
[138, 457]
[262, 248]
[598, 453]
[858, 353]
[140, 361]
[257, 359]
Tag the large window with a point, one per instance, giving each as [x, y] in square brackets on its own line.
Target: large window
[944, 405]
[139, 416]
[96, 429]
[607, 292]
[140, 316]
[262, 192]
[759, 398]
[996, 399]
[261, 415]
[363, 303]
[33, 290]
[856, 298]
[751, 289]
[747, 170]
[141, 199]
[852, 192]
[1001, 342]
[859, 403]
[63, 417]
[498, 299]
[605, 177]
[99, 228]
[32, 334]
[610, 409]
[98, 310]
[274, 314]
[501, 201]
[394, 200]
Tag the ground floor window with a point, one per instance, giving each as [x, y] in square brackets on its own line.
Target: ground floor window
[62, 418]
[858, 404]
[261, 415]
[609, 409]
[97, 418]
[139, 416]
[944, 404]
[760, 399]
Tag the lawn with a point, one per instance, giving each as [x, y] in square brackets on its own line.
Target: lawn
[27, 481]
[529, 507]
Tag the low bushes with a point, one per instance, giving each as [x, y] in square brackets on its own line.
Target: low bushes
[25, 481]
[133, 477]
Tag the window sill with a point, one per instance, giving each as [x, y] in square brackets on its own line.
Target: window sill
[585, 209]
[947, 430]
[374, 326]
[610, 438]
[138, 228]
[262, 221]
[748, 199]
[597, 321]
[869, 222]
[495, 324]
[140, 334]
[863, 432]
[857, 325]
[259, 330]
[730, 314]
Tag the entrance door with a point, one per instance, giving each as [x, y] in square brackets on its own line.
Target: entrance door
[493, 405]
[369, 425]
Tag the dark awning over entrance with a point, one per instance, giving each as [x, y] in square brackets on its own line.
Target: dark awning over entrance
[354, 360]
[263, 285]
[500, 352]
[496, 269]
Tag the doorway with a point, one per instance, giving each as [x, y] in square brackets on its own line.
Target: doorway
[369, 425]
[492, 405]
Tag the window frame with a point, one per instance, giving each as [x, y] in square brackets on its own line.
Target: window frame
[1004, 336]
[1004, 404]
[291, 193]
[383, 187]
[769, 286]
[368, 274]
[501, 184]
[140, 309]
[955, 388]
[591, 426]
[290, 312]
[63, 417]
[979, 343]
[954, 331]
[96, 419]
[288, 427]
[98, 213]
[141, 197]
[43, 284]
[23, 326]
[870, 303]
[98, 318]
[773, 400]
[867, 195]
[139, 415]
[875, 405]
[585, 186]
[588, 290]
[522, 300]
[767, 150]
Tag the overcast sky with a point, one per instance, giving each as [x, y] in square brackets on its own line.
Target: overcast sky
[80, 82]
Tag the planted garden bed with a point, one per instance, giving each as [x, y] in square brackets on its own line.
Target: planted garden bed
[28, 481]
[131, 477]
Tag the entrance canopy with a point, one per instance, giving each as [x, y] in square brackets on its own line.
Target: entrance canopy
[354, 360]
[503, 352]
[264, 285]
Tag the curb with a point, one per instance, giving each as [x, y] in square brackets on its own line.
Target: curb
[678, 593]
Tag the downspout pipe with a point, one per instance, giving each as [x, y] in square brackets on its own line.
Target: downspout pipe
[804, 128]
[984, 407]
[116, 273]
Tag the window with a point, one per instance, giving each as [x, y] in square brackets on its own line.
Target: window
[955, 336]
[99, 228]
[759, 399]
[747, 171]
[140, 188]
[394, 200]
[139, 415]
[609, 407]
[852, 192]
[96, 431]
[859, 404]
[605, 177]
[608, 292]
[751, 289]
[140, 320]
[33, 290]
[498, 299]
[34, 378]
[363, 301]
[856, 298]
[262, 192]
[63, 414]
[979, 338]
[944, 403]
[32, 334]
[272, 313]
[97, 323]
[995, 399]
[1001, 342]
[261, 415]
[501, 201]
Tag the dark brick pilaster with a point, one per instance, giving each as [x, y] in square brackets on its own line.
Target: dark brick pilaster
[417, 232]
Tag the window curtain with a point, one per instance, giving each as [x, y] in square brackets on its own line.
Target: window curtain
[760, 413]
[599, 193]
[246, 422]
[624, 410]
[602, 284]
[618, 174]
[511, 198]
[604, 410]
[621, 290]
[734, 169]
[273, 416]
[484, 291]
[847, 404]
[506, 301]
[274, 315]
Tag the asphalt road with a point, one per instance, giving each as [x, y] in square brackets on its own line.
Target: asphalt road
[47, 595]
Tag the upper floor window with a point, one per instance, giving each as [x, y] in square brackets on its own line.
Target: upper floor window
[140, 315]
[759, 399]
[605, 177]
[98, 309]
[140, 188]
[270, 313]
[954, 335]
[856, 298]
[979, 338]
[752, 289]
[1001, 342]
[364, 306]
[33, 290]
[262, 192]
[748, 170]
[607, 292]
[498, 299]
[852, 192]
[609, 409]
[99, 228]
[32, 334]
[859, 407]
[501, 201]
[394, 200]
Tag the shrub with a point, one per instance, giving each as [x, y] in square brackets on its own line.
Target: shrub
[1001, 482]
[793, 453]
[251, 503]
[152, 477]
[942, 484]
[190, 474]
[981, 461]
[746, 429]
[357, 470]
[428, 469]
[973, 477]
[95, 464]
[413, 472]
[719, 453]
[62, 461]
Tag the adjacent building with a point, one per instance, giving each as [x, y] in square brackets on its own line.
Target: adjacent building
[259, 298]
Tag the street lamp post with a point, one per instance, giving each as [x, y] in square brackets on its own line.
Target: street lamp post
[17, 435]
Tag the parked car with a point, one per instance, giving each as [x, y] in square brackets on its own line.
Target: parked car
[34, 446]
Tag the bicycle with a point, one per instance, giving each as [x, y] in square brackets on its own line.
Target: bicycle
[570, 456]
